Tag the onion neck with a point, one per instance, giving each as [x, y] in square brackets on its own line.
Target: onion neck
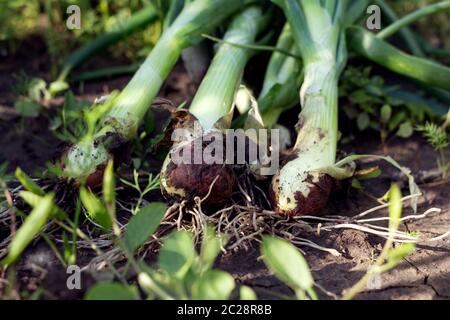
[315, 148]
[136, 98]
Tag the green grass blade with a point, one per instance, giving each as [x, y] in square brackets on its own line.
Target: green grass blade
[31, 227]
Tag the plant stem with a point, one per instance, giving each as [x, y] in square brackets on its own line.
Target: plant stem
[134, 23]
[216, 93]
[324, 56]
[253, 47]
[361, 284]
[375, 49]
[143, 88]
[97, 250]
[410, 18]
[405, 32]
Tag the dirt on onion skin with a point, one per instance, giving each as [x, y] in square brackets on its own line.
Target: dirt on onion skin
[118, 150]
[199, 180]
[311, 205]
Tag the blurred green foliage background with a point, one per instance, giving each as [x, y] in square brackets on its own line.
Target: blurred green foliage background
[20, 19]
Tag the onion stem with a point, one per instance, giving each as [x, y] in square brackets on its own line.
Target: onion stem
[215, 96]
[120, 123]
[134, 23]
[317, 28]
[378, 50]
[405, 32]
[413, 17]
[211, 108]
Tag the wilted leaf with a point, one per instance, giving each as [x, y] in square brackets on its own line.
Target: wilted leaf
[369, 173]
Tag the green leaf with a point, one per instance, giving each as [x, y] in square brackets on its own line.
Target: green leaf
[395, 255]
[210, 248]
[57, 87]
[396, 120]
[142, 225]
[370, 174]
[395, 206]
[28, 108]
[95, 208]
[247, 293]
[356, 184]
[30, 228]
[30, 198]
[360, 97]
[112, 291]
[109, 184]
[150, 122]
[363, 121]
[287, 263]
[71, 104]
[109, 189]
[405, 130]
[385, 113]
[37, 89]
[177, 254]
[213, 285]
[28, 183]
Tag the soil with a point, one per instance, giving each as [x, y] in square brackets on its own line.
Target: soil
[424, 274]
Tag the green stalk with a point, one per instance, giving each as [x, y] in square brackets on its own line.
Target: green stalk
[284, 73]
[281, 82]
[133, 24]
[174, 9]
[211, 106]
[215, 96]
[354, 11]
[405, 32]
[434, 51]
[106, 72]
[121, 122]
[413, 17]
[379, 51]
[317, 29]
